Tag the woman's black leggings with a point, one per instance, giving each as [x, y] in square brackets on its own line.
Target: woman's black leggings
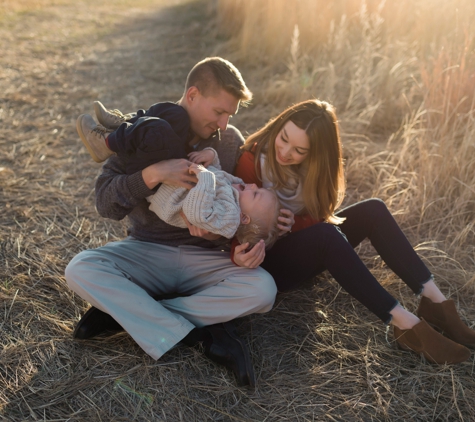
[302, 255]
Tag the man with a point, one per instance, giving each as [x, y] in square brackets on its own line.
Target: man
[122, 278]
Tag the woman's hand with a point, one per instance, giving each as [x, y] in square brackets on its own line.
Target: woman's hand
[251, 259]
[204, 157]
[285, 221]
[197, 232]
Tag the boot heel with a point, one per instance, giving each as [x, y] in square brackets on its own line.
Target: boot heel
[401, 346]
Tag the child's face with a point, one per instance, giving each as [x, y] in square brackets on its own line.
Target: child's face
[256, 202]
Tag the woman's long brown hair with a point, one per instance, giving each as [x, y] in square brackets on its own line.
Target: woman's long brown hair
[324, 184]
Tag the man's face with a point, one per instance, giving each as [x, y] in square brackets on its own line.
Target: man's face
[210, 113]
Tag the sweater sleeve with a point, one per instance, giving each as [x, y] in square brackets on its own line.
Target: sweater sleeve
[117, 193]
[167, 203]
[212, 204]
[303, 221]
[215, 163]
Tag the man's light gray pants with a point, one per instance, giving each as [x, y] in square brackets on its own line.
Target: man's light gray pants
[120, 278]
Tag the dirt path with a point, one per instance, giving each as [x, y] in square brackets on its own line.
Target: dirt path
[55, 61]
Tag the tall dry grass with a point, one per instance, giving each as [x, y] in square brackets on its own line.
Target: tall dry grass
[402, 76]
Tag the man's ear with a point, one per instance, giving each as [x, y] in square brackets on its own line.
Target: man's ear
[192, 93]
[245, 219]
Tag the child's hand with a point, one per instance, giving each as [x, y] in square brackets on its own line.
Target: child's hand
[196, 231]
[204, 157]
[196, 169]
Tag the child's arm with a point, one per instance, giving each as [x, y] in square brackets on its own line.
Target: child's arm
[196, 231]
[207, 157]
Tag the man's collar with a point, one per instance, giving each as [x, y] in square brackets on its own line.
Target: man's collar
[216, 136]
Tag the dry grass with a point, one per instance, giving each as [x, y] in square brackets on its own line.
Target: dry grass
[319, 355]
[402, 76]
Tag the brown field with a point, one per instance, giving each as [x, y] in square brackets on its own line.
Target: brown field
[402, 76]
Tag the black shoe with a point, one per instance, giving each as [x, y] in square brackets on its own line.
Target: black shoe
[95, 322]
[228, 349]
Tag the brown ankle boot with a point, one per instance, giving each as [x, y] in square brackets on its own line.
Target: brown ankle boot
[423, 339]
[444, 317]
[93, 137]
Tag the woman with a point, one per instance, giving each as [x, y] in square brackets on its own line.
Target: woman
[299, 154]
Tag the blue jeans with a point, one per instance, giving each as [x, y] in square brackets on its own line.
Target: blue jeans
[306, 253]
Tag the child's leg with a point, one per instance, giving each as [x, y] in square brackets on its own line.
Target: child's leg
[112, 119]
[147, 141]
[174, 114]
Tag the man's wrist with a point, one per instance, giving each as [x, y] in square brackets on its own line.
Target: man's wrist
[150, 177]
[137, 187]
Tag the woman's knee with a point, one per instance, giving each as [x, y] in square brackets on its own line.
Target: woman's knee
[324, 233]
[375, 207]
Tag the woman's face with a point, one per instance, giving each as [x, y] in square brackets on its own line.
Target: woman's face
[291, 145]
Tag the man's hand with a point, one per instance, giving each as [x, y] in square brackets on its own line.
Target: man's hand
[196, 231]
[251, 259]
[285, 221]
[204, 157]
[172, 172]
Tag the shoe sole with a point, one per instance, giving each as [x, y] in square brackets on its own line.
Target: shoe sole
[98, 110]
[85, 141]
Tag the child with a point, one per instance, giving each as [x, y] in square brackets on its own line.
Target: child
[219, 203]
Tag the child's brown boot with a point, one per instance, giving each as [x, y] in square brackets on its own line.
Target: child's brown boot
[93, 137]
[111, 119]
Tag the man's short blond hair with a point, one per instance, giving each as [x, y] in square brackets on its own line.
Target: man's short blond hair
[215, 73]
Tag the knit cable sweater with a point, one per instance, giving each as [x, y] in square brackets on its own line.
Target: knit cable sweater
[213, 204]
